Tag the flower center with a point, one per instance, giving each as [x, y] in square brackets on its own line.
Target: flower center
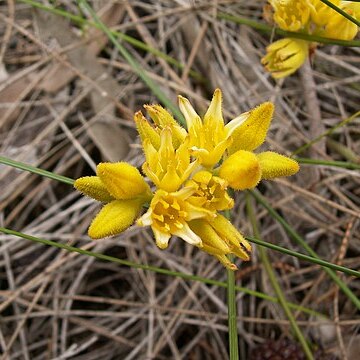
[168, 213]
[210, 192]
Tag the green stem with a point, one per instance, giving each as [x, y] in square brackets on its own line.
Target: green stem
[341, 164]
[314, 260]
[133, 63]
[275, 284]
[35, 170]
[300, 241]
[154, 269]
[231, 303]
[232, 320]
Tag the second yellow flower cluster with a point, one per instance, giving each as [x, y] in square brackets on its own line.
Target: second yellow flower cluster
[191, 171]
[314, 17]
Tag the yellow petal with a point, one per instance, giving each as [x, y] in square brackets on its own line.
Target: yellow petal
[291, 15]
[146, 131]
[163, 118]
[338, 27]
[92, 186]
[226, 262]
[252, 132]
[190, 115]
[114, 218]
[213, 115]
[209, 236]
[241, 170]
[238, 244]
[321, 13]
[161, 238]
[285, 56]
[275, 165]
[220, 256]
[122, 180]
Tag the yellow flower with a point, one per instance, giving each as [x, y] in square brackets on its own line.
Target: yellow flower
[291, 15]
[320, 13]
[209, 138]
[166, 167]
[169, 213]
[189, 192]
[115, 217]
[338, 27]
[220, 238]
[161, 118]
[122, 187]
[285, 56]
[209, 192]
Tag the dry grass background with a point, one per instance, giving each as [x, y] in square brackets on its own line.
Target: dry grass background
[66, 103]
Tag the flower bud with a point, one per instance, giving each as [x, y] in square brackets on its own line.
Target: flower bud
[122, 180]
[241, 170]
[114, 218]
[285, 56]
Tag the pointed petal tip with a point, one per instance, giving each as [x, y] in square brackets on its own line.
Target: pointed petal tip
[138, 115]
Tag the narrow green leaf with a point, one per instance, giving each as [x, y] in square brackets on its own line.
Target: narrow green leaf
[340, 164]
[154, 269]
[35, 170]
[275, 284]
[232, 319]
[231, 305]
[314, 260]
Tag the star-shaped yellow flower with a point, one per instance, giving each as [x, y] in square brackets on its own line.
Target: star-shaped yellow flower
[191, 171]
[210, 137]
[169, 214]
[313, 17]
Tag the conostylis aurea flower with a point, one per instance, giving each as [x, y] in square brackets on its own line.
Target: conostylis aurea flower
[283, 57]
[190, 172]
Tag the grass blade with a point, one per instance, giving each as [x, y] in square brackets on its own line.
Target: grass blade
[35, 170]
[154, 269]
[314, 260]
[340, 164]
[232, 320]
[275, 284]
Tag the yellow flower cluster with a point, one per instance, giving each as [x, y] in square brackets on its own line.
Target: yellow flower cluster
[191, 171]
[285, 56]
